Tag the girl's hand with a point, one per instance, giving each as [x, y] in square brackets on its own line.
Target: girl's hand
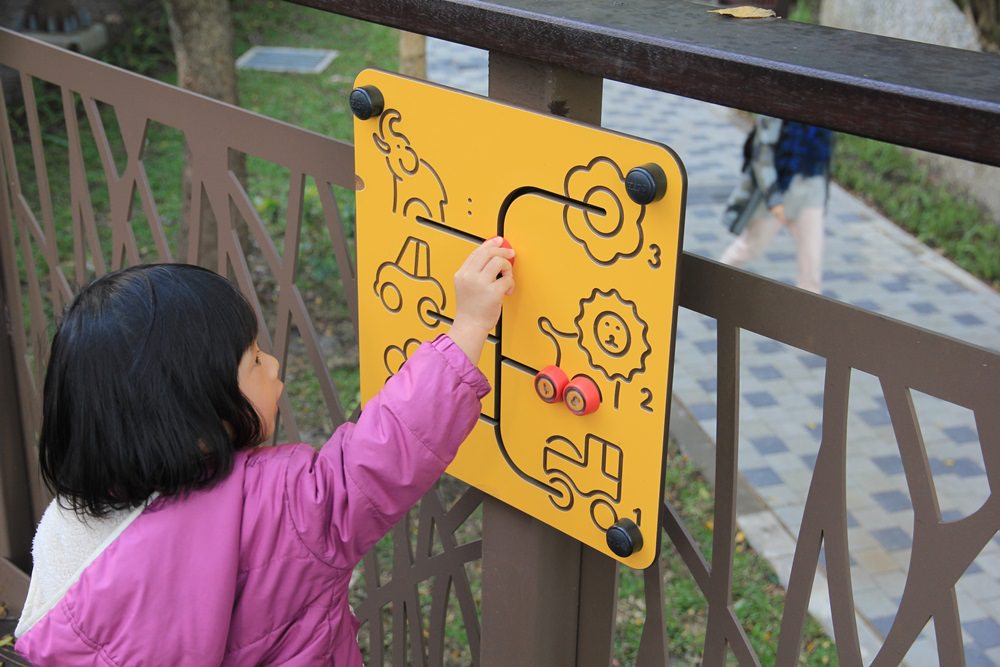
[481, 283]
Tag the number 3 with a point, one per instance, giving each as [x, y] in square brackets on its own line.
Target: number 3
[655, 262]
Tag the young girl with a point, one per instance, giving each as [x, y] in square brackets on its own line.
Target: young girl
[173, 540]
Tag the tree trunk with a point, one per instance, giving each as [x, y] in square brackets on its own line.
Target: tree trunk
[413, 55]
[202, 35]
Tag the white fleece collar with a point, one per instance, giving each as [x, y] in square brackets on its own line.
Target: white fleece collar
[65, 545]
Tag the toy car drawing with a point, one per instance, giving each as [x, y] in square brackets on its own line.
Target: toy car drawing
[595, 472]
[408, 280]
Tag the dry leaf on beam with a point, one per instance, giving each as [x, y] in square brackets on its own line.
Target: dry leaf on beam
[745, 12]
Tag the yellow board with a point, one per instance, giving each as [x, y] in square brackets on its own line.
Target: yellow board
[438, 172]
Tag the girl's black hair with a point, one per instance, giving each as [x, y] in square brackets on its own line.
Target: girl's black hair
[141, 392]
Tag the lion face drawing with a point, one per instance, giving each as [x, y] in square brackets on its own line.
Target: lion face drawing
[612, 335]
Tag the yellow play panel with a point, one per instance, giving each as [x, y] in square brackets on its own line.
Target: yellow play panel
[596, 218]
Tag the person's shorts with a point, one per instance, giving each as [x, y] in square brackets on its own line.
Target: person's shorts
[804, 192]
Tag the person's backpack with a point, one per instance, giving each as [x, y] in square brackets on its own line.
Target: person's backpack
[801, 149]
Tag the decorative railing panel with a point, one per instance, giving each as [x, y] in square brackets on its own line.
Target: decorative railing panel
[415, 594]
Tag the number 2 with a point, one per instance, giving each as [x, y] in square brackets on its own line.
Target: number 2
[647, 399]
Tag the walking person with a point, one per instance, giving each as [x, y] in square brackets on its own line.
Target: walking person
[785, 183]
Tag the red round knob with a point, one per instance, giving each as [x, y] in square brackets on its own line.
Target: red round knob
[550, 382]
[582, 395]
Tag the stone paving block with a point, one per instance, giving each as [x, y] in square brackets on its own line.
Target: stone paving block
[985, 632]
[876, 561]
[778, 496]
[989, 558]
[763, 476]
[888, 464]
[891, 583]
[873, 518]
[750, 385]
[974, 657]
[709, 426]
[962, 435]
[902, 558]
[809, 461]
[790, 515]
[923, 653]
[784, 463]
[702, 410]
[969, 609]
[979, 585]
[875, 603]
[860, 539]
[893, 538]
[858, 499]
[883, 624]
[893, 500]
[794, 403]
[861, 581]
[771, 444]
[750, 458]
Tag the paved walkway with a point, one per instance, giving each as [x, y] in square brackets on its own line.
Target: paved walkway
[870, 264]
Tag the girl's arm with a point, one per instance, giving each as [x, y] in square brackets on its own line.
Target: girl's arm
[480, 285]
[344, 498]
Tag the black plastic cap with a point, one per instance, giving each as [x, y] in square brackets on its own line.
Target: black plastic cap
[624, 538]
[366, 102]
[646, 184]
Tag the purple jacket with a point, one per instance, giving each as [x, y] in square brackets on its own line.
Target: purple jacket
[255, 570]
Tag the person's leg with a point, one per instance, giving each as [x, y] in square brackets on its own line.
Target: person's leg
[807, 230]
[749, 244]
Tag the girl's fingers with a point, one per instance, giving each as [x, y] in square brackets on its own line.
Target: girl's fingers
[498, 265]
[505, 283]
[490, 248]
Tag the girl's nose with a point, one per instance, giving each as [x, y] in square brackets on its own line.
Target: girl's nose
[274, 363]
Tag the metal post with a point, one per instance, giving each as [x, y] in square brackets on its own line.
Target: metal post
[534, 577]
[16, 516]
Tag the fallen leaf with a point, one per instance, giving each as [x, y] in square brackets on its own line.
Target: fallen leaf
[745, 12]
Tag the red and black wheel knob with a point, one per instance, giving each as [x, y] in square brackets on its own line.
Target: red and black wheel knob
[582, 396]
[550, 382]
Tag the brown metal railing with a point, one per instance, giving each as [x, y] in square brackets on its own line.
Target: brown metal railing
[419, 583]
[42, 258]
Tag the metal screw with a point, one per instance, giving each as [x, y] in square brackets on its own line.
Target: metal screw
[646, 184]
[366, 102]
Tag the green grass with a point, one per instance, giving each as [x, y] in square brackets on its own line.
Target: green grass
[905, 191]
[315, 102]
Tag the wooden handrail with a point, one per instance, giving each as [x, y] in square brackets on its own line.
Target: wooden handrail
[935, 98]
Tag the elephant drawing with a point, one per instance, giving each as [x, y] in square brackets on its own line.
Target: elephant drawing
[417, 189]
